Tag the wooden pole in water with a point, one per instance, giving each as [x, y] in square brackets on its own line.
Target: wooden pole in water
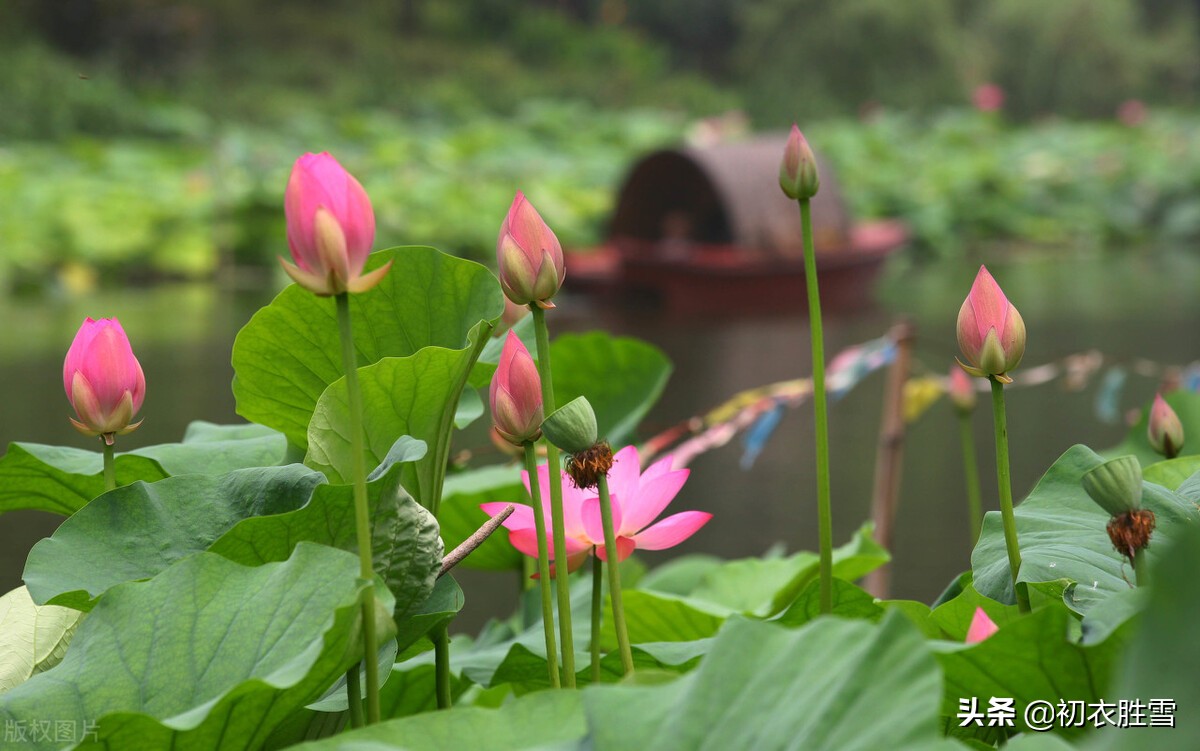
[890, 455]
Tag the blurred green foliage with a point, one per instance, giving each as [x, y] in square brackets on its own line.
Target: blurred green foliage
[149, 137]
[964, 178]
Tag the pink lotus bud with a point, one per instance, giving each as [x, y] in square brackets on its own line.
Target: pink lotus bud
[988, 97]
[991, 332]
[962, 390]
[981, 627]
[330, 227]
[798, 171]
[1165, 430]
[103, 380]
[529, 256]
[516, 394]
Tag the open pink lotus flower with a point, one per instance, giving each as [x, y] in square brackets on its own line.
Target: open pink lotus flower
[103, 380]
[637, 498]
[981, 627]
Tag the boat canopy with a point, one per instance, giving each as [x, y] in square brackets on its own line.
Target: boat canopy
[726, 194]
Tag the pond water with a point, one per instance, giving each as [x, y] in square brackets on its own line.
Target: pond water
[1138, 304]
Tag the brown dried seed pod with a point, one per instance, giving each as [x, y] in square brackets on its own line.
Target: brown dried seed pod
[586, 467]
[1130, 532]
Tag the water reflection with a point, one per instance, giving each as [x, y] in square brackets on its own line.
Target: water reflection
[1134, 305]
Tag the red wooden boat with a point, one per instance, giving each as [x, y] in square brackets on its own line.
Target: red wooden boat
[709, 229]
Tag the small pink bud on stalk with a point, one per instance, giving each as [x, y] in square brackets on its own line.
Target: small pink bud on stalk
[962, 390]
[529, 256]
[103, 380]
[981, 627]
[991, 332]
[1165, 430]
[798, 171]
[516, 394]
[330, 228]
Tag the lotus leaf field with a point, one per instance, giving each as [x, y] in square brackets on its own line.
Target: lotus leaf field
[289, 581]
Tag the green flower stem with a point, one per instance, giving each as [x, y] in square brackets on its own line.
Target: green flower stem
[543, 563]
[561, 580]
[824, 510]
[354, 697]
[441, 665]
[971, 472]
[597, 614]
[110, 473]
[1004, 480]
[362, 523]
[1141, 568]
[614, 575]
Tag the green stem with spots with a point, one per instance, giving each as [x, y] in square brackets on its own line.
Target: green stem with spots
[1004, 480]
[820, 407]
[1141, 568]
[559, 533]
[354, 697]
[543, 563]
[614, 576]
[362, 522]
[110, 472]
[597, 614]
[441, 666]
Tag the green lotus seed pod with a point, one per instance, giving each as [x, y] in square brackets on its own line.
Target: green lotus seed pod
[572, 427]
[1116, 485]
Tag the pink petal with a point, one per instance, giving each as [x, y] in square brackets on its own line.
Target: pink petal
[988, 302]
[658, 468]
[525, 540]
[625, 547]
[671, 531]
[520, 518]
[623, 478]
[592, 522]
[573, 499]
[981, 627]
[652, 498]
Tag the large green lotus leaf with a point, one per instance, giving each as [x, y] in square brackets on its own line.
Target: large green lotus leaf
[1061, 532]
[406, 547]
[1161, 660]
[1173, 473]
[833, 684]
[620, 376]
[289, 352]
[439, 608]
[849, 601]
[207, 655]
[212, 449]
[1033, 657]
[1187, 405]
[136, 531]
[460, 514]
[534, 721]
[657, 617]
[954, 617]
[33, 637]
[62, 480]
[765, 586]
[416, 396]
